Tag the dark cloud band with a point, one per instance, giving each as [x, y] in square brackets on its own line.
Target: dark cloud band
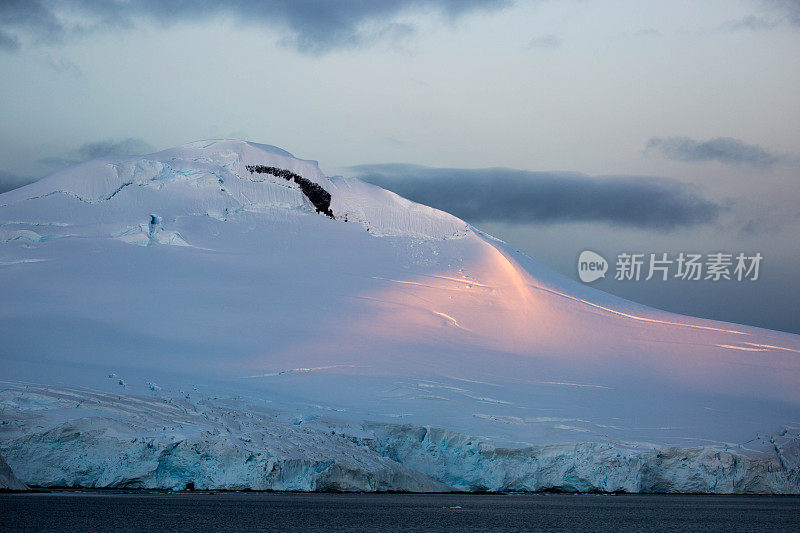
[93, 150]
[723, 149]
[317, 26]
[516, 196]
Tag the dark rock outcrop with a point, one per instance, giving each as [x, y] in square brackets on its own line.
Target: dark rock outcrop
[313, 191]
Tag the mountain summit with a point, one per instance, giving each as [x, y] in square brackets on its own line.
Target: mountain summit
[224, 315]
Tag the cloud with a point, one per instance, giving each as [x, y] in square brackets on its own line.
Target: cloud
[93, 150]
[789, 10]
[10, 181]
[544, 42]
[28, 17]
[518, 196]
[723, 149]
[315, 26]
[750, 22]
[8, 42]
[129, 146]
[775, 14]
[63, 66]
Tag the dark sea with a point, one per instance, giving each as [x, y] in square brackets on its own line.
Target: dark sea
[104, 511]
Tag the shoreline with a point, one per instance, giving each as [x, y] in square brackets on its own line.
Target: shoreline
[135, 491]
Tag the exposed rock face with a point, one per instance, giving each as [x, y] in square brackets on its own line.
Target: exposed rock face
[8, 481]
[315, 193]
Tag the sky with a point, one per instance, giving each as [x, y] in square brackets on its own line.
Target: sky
[558, 126]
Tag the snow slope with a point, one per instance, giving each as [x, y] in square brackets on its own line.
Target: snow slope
[395, 347]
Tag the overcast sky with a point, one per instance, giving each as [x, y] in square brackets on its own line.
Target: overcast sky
[555, 125]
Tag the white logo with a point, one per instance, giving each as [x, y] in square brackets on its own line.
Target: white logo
[591, 266]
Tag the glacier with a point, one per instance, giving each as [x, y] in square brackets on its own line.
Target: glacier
[174, 320]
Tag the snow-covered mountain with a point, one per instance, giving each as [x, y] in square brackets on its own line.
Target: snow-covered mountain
[224, 315]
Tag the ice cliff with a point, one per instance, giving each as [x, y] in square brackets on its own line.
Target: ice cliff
[170, 443]
[470, 464]
[8, 481]
[81, 438]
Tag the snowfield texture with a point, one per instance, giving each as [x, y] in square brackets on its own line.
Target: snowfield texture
[175, 320]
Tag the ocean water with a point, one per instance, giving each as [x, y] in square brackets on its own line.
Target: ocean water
[106, 511]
